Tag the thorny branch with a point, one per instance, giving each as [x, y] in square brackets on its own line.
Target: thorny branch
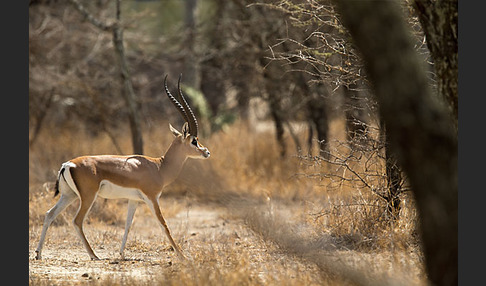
[360, 162]
[327, 49]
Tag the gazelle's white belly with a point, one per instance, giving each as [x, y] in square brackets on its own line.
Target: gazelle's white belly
[108, 190]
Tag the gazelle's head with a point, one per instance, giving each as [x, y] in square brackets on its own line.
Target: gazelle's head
[193, 148]
[188, 135]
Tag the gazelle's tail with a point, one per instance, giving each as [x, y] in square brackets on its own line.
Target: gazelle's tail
[56, 187]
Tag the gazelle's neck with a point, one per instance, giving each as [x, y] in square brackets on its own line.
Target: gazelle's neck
[172, 162]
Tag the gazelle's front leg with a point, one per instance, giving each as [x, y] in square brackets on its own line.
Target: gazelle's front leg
[154, 207]
[132, 207]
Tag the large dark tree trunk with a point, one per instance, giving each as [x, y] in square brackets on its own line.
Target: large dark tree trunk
[439, 22]
[421, 132]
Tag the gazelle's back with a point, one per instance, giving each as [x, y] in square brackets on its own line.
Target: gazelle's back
[133, 171]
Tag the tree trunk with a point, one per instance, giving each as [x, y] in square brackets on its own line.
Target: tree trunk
[439, 22]
[356, 122]
[393, 176]
[129, 94]
[212, 73]
[191, 63]
[318, 116]
[394, 180]
[276, 113]
[421, 132]
[40, 115]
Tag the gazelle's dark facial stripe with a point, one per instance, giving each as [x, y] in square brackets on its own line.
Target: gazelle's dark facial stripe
[204, 151]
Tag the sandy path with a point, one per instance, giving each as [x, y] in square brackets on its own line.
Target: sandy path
[198, 229]
[147, 251]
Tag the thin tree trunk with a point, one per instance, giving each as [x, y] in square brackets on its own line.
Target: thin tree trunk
[212, 73]
[356, 124]
[276, 113]
[128, 93]
[317, 113]
[40, 118]
[393, 177]
[191, 64]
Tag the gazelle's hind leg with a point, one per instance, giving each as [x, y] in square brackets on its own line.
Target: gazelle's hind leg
[132, 207]
[87, 201]
[64, 201]
[154, 207]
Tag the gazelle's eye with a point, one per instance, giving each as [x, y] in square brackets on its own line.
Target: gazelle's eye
[194, 142]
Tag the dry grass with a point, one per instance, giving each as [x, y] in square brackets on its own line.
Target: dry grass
[245, 219]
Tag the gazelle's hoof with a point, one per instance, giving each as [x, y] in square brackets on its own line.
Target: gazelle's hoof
[37, 255]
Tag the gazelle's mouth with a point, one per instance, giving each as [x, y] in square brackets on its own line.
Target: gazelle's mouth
[206, 153]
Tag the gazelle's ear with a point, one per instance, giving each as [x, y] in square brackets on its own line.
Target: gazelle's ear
[174, 131]
[185, 130]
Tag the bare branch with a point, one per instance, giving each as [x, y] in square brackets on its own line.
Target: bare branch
[96, 22]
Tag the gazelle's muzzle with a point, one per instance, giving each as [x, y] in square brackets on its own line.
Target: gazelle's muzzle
[205, 152]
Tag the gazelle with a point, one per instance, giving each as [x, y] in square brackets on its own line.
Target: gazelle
[137, 178]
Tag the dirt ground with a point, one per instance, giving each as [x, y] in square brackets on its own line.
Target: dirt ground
[147, 250]
[221, 248]
[205, 232]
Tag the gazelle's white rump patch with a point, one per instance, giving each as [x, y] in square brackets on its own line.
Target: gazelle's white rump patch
[67, 178]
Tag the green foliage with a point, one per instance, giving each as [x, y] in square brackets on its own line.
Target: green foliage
[223, 119]
[201, 107]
